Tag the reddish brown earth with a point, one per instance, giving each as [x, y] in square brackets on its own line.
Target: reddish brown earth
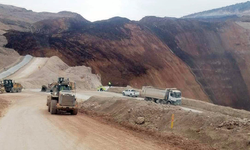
[122, 52]
[207, 60]
[217, 53]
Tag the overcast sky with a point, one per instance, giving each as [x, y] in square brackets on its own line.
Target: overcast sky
[133, 9]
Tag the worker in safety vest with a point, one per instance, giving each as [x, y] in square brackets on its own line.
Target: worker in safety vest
[109, 84]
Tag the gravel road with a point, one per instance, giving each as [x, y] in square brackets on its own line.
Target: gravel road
[27, 126]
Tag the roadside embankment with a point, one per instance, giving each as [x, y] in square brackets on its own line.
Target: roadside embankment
[191, 130]
[145, 117]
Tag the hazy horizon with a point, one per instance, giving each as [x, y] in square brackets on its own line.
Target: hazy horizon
[94, 10]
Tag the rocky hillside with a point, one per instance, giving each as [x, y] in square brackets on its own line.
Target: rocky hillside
[20, 19]
[237, 10]
[216, 52]
[207, 60]
[121, 51]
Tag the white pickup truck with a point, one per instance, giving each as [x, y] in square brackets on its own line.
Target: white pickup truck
[131, 92]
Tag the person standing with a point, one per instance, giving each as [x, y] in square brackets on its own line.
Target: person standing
[110, 84]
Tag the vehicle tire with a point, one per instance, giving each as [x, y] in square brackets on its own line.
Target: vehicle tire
[123, 94]
[161, 101]
[48, 108]
[130, 95]
[74, 112]
[53, 106]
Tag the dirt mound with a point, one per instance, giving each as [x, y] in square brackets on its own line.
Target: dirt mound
[8, 58]
[141, 116]
[43, 71]
[207, 127]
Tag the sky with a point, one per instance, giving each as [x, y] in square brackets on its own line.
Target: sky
[94, 10]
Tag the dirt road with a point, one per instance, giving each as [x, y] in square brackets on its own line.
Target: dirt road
[28, 126]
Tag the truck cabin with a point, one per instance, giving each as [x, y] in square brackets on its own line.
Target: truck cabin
[175, 94]
[64, 88]
[60, 80]
[8, 83]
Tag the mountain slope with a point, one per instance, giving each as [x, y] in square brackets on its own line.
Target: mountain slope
[216, 52]
[239, 10]
[205, 59]
[119, 50]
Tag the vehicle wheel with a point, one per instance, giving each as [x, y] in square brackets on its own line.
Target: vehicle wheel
[130, 95]
[74, 112]
[53, 106]
[161, 101]
[123, 94]
[48, 108]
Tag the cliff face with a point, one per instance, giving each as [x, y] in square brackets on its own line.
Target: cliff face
[119, 50]
[216, 52]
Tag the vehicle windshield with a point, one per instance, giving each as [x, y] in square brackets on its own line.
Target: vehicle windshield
[65, 88]
[177, 94]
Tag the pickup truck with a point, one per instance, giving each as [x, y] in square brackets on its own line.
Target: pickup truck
[131, 92]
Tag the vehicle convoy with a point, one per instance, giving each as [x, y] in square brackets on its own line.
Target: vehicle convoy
[167, 96]
[131, 92]
[62, 98]
[9, 86]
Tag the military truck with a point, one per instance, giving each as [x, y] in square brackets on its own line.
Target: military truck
[8, 86]
[162, 96]
[62, 98]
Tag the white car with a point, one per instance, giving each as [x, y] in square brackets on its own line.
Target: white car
[131, 92]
